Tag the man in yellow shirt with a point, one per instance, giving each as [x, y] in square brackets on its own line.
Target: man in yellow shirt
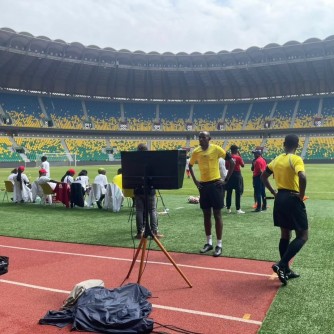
[289, 208]
[210, 186]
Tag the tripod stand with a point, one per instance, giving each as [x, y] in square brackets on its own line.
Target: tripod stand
[143, 241]
[162, 202]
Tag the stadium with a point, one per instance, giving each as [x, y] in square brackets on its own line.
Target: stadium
[83, 105]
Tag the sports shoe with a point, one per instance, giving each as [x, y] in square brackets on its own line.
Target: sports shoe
[240, 211]
[280, 271]
[264, 208]
[229, 211]
[158, 235]
[257, 210]
[291, 274]
[218, 251]
[206, 248]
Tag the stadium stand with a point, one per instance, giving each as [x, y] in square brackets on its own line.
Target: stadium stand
[24, 110]
[65, 113]
[158, 145]
[104, 115]
[274, 147]
[125, 145]
[246, 146]
[283, 114]
[320, 148]
[307, 112]
[6, 151]
[207, 116]
[139, 116]
[260, 112]
[88, 150]
[34, 146]
[328, 111]
[173, 117]
[235, 116]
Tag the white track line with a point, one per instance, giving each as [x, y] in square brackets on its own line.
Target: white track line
[130, 260]
[168, 308]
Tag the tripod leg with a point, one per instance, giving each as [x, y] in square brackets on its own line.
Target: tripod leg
[135, 257]
[171, 260]
[141, 267]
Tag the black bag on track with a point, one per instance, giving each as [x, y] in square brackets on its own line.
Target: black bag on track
[4, 261]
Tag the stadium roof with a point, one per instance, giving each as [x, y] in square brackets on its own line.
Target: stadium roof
[40, 64]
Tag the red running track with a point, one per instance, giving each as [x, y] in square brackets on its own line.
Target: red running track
[229, 295]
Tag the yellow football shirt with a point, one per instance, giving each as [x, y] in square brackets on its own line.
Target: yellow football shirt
[207, 161]
[286, 168]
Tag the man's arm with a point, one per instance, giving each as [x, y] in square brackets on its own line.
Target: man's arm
[265, 179]
[302, 185]
[230, 168]
[197, 184]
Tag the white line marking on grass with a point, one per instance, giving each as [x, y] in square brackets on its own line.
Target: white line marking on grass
[169, 308]
[130, 260]
[181, 207]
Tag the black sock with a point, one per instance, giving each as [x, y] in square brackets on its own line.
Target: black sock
[294, 247]
[283, 246]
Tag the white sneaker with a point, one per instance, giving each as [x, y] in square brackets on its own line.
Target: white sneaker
[240, 211]
[229, 211]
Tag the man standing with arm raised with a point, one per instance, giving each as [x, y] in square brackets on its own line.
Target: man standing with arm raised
[210, 186]
[289, 208]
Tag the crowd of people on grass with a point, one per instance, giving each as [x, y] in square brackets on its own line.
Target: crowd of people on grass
[219, 175]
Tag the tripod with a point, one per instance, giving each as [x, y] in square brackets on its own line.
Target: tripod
[143, 241]
[162, 202]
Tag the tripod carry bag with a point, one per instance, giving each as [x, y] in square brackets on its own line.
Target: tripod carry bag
[4, 261]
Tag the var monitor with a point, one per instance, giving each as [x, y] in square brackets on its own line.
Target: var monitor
[159, 169]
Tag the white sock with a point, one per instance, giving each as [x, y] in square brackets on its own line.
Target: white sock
[219, 243]
[209, 239]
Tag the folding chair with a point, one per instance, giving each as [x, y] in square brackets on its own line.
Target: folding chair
[48, 193]
[9, 188]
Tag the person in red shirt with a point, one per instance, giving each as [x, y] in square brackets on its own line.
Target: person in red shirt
[259, 188]
[236, 181]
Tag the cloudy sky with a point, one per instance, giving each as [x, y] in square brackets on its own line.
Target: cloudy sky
[171, 25]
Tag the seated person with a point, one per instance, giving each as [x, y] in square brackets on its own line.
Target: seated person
[83, 179]
[12, 174]
[36, 189]
[101, 179]
[118, 181]
[22, 192]
[68, 177]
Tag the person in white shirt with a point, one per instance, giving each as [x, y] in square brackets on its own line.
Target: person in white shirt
[187, 167]
[36, 189]
[22, 192]
[223, 173]
[45, 165]
[12, 174]
[83, 179]
[68, 177]
[101, 179]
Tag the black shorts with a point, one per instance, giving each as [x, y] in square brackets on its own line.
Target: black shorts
[211, 195]
[289, 211]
